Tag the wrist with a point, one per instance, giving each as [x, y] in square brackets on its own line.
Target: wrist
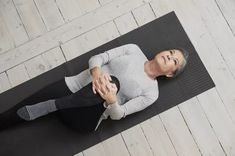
[96, 71]
[110, 102]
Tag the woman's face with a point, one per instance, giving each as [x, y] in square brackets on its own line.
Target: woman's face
[169, 61]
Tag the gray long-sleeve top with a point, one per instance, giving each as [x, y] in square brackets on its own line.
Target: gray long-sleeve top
[137, 90]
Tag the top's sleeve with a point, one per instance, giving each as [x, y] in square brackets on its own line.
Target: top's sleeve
[117, 111]
[103, 58]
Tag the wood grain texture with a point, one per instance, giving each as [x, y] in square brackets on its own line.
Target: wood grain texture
[13, 22]
[17, 75]
[6, 41]
[179, 133]
[49, 13]
[4, 82]
[67, 32]
[143, 14]
[158, 137]
[126, 23]
[30, 17]
[136, 142]
[201, 128]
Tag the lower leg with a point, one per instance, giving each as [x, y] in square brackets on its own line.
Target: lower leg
[52, 91]
[85, 118]
[32, 112]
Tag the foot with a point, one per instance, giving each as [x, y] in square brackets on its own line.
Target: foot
[32, 112]
[24, 113]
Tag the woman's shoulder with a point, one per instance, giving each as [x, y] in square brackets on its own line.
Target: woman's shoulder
[136, 50]
[152, 90]
[132, 47]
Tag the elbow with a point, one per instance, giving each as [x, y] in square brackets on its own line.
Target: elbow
[91, 59]
[116, 112]
[93, 62]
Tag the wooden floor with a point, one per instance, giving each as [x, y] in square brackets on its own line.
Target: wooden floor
[38, 35]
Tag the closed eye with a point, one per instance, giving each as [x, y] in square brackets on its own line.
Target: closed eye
[175, 62]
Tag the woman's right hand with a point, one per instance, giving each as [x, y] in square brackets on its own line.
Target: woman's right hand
[99, 76]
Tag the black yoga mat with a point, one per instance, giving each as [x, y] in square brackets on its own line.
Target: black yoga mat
[48, 136]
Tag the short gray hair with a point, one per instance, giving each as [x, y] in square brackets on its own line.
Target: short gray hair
[185, 54]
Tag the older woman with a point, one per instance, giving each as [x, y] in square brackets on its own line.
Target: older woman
[124, 68]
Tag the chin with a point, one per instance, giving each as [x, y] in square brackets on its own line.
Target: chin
[159, 62]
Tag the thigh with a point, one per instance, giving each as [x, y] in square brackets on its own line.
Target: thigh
[83, 98]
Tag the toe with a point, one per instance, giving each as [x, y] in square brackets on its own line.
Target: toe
[23, 113]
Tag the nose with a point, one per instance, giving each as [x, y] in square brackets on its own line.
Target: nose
[169, 57]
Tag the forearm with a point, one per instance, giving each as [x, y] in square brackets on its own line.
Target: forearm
[137, 104]
[103, 58]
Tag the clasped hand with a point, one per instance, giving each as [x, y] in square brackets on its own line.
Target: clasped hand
[105, 88]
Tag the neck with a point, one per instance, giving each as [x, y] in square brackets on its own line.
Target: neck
[151, 69]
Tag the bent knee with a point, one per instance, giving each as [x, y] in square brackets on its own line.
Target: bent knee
[116, 81]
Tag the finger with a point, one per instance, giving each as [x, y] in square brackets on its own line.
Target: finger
[93, 88]
[104, 80]
[106, 77]
[114, 86]
[104, 90]
[108, 86]
[101, 80]
[97, 84]
[110, 79]
[100, 92]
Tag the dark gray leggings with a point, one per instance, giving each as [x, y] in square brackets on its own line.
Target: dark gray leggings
[80, 110]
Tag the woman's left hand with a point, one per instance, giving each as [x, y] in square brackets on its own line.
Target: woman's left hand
[108, 92]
